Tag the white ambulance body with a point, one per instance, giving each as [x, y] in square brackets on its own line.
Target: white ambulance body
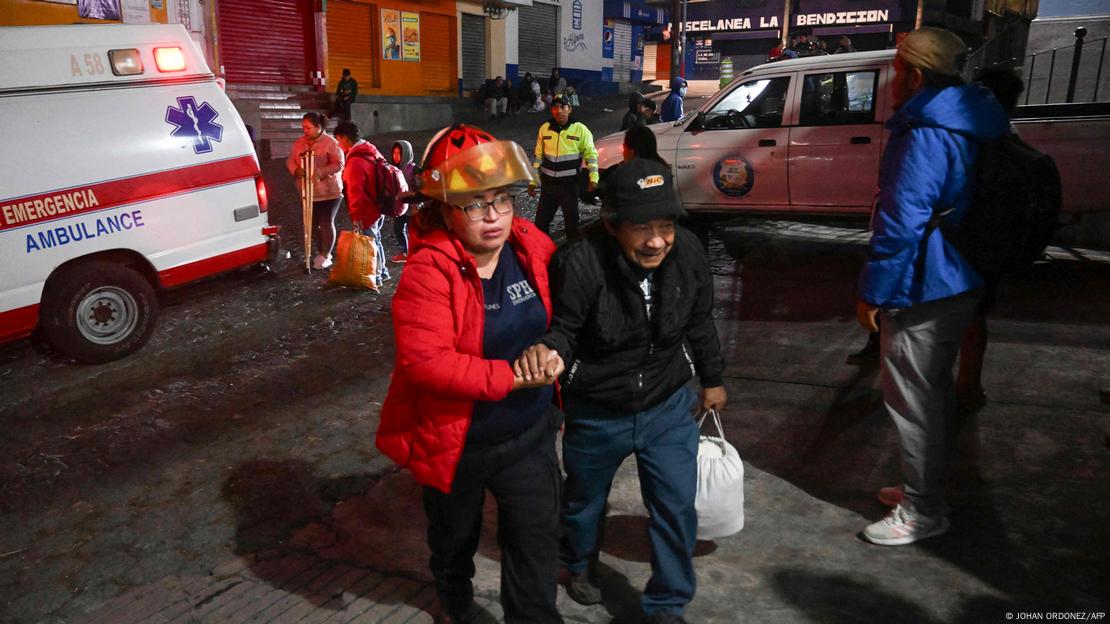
[125, 169]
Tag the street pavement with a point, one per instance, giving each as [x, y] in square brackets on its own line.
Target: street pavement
[227, 472]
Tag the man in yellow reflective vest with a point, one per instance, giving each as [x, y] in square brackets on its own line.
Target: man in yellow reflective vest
[563, 143]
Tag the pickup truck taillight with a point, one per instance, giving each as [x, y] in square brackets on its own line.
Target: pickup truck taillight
[263, 200]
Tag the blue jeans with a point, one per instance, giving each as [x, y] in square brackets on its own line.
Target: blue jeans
[374, 231]
[665, 441]
[401, 231]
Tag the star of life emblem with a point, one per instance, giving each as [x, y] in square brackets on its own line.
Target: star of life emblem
[197, 123]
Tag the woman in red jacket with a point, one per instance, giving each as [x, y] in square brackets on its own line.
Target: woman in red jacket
[473, 296]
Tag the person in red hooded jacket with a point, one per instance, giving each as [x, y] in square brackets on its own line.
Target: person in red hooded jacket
[473, 296]
[359, 184]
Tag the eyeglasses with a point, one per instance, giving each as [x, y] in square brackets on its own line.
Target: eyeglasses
[502, 204]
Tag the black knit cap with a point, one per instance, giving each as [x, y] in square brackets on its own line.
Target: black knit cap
[641, 190]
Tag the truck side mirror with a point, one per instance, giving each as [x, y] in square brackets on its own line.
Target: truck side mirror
[698, 123]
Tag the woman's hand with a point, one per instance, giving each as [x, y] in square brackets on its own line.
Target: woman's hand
[299, 173]
[537, 366]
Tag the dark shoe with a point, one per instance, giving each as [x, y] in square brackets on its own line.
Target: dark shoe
[582, 590]
[971, 403]
[455, 601]
[660, 617]
[442, 617]
[869, 354]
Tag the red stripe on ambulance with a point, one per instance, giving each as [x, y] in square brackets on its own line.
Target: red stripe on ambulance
[210, 266]
[19, 322]
[63, 203]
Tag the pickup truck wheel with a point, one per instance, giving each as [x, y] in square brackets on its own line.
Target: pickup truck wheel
[99, 311]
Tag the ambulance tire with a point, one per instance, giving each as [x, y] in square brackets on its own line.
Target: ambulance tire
[99, 311]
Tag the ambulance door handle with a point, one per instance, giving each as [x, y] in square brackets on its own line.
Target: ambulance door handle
[863, 140]
[767, 143]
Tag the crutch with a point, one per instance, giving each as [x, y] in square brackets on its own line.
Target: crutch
[308, 166]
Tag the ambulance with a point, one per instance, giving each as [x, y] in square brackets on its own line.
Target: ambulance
[126, 170]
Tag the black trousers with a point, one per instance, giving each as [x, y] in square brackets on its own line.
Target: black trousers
[555, 195]
[523, 475]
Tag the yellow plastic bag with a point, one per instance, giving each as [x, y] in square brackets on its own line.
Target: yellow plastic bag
[355, 261]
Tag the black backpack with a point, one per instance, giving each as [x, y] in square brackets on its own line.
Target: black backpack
[1015, 209]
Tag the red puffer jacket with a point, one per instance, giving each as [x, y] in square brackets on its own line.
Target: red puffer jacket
[360, 184]
[438, 320]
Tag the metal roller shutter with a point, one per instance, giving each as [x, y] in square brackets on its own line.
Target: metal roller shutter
[473, 50]
[266, 41]
[350, 43]
[649, 61]
[538, 38]
[437, 52]
[622, 50]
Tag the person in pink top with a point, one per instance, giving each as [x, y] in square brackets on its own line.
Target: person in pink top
[327, 187]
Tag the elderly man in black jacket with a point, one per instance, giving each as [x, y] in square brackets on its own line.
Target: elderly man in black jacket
[632, 319]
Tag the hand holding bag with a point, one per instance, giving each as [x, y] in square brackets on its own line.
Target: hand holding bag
[720, 498]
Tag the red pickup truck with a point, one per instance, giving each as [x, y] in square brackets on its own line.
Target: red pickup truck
[804, 136]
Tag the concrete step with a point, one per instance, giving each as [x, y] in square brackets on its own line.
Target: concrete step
[244, 87]
[279, 105]
[275, 148]
[293, 124]
[292, 113]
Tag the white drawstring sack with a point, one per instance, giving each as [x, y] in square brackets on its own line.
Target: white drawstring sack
[720, 498]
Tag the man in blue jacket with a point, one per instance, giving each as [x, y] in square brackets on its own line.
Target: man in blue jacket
[926, 292]
[672, 105]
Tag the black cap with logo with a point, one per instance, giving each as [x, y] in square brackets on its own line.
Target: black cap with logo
[560, 100]
[641, 190]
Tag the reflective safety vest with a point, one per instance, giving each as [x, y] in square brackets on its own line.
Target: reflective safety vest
[561, 150]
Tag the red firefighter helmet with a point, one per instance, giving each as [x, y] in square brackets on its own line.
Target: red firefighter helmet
[462, 161]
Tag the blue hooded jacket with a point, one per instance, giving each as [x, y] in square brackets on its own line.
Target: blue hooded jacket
[672, 105]
[928, 164]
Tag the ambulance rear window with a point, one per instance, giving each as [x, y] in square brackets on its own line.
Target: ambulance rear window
[126, 62]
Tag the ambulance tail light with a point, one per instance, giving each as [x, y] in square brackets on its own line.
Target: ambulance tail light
[263, 198]
[169, 59]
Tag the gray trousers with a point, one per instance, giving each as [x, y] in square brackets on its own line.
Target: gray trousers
[919, 348]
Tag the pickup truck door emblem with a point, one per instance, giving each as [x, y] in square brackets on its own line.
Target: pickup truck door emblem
[733, 175]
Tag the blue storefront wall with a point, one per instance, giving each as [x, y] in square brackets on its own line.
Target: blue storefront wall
[643, 17]
[719, 28]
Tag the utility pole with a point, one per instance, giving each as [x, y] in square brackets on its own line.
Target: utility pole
[786, 24]
[678, 35]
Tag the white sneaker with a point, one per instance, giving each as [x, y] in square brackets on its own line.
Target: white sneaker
[902, 526]
[321, 261]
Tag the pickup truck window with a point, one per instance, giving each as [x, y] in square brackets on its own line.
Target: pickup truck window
[838, 98]
[754, 104]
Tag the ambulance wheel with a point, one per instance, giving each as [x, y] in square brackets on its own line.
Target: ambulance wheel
[99, 311]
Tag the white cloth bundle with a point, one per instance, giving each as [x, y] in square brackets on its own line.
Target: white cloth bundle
[720, 497]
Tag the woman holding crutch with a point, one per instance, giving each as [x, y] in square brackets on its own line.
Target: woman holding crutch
[327, 184]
